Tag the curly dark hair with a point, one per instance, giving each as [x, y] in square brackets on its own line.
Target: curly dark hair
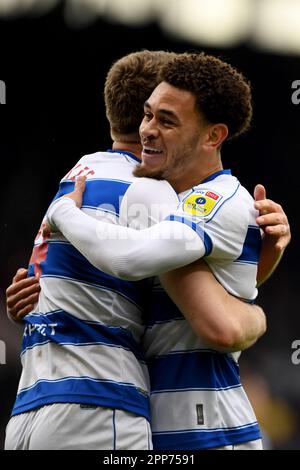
[223, 95]
[129, 83]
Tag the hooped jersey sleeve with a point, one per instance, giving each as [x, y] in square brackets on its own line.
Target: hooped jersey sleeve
[222, 213]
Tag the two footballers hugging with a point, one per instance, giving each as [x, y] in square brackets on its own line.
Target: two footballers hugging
[134, 326]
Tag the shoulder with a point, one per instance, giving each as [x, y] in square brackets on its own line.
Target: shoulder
[153, 190]
[83, 165]
[92, 157]
[210, 198]
[155, 197]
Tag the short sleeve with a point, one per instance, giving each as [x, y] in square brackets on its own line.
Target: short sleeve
[221, 218]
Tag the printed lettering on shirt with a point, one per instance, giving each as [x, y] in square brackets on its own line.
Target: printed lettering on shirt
[40, 328]
[79, 170]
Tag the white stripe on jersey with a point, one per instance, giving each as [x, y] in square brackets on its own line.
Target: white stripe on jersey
[83, 361]
[114, 307]
[216, 409]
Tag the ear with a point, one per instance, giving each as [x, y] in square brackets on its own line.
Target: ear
[215, 136]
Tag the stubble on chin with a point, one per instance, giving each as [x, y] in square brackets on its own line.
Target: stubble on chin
[141, 172]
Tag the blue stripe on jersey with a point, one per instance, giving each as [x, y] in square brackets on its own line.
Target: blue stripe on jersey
[99, 193]
[193, 370]
[215, 175]
[83, 390]
[62, 328]
[63, 260]
[252, 246]
[205, 439]
[160, 309]
[197, 228]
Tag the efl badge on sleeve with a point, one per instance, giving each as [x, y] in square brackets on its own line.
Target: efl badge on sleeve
[201, 202]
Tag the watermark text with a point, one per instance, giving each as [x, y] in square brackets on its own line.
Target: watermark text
[296, 354]
[2, 353]
[2, 92]
[296, 94]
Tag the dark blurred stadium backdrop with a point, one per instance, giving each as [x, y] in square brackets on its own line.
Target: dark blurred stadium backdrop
[53, 59]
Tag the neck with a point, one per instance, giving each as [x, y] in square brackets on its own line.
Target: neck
[193, 176]
[133, 147]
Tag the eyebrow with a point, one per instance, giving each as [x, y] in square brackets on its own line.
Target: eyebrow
[166, 112]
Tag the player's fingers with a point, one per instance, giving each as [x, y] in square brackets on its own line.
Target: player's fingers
[259, 192]
[277, 230]
[80, 184]
[282, 243]
[275, 218]
[24, 303]
[20, 274]
[46, 230]
[19, 285]
[21, 313]
[267, 206]
[20, 290]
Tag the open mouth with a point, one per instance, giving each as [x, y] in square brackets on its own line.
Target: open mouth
[151, 151]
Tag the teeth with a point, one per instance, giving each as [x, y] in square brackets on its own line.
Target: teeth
[150, 150]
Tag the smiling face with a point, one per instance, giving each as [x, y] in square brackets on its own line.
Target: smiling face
[172, 133]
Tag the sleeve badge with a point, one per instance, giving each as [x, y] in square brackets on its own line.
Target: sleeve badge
[201, 202]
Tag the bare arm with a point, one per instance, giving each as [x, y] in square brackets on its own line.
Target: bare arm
[219, 319]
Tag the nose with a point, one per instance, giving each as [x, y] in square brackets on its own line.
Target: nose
[148, 130]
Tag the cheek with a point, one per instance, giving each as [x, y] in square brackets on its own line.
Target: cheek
[180, 155]
[174, 148]
[172, 144]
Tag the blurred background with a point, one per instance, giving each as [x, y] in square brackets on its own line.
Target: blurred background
[54, 56]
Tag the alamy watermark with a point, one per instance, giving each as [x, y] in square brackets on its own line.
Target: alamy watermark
[2, 352]
[140, 216]
[296, 94]
[2, 92]
[296, 354]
